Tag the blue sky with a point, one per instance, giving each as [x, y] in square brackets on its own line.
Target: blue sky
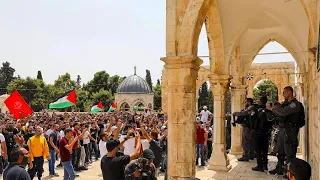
[83, 37]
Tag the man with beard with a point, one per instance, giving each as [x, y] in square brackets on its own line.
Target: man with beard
[248, 150]
[15, 170]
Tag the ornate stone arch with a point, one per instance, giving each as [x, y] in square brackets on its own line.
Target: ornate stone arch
[241, 30]
[124, 106]
[310, 7]
[191, 27]
[261, 43]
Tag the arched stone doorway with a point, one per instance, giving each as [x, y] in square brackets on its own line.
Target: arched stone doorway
[282, 74]
[124, 107]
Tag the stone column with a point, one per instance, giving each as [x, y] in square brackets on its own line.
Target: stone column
[197, 102]
[164, 90]
[238, 96]
[182, 73]
[219, 160]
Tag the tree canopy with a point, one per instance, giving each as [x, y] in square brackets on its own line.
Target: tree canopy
[266, 88]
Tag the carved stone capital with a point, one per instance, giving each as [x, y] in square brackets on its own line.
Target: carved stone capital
[178, 62]
[219, 84]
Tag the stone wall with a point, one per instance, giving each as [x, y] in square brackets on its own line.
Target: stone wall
[134, 100]
[281, 74]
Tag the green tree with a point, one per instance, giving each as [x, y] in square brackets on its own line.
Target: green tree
[266, 88]
[39, 75]
[114, 82]
[157, 99]
[104, 96]
[34, 91]
[99, 81]
[203, 95]
[65, 83]
[83, 100]
[148, 78]
[6, 76]
[210, 101]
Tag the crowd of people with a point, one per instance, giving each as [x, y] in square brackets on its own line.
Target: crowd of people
[134, 145]
[130, 145]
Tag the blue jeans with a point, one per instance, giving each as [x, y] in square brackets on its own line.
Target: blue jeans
[200, 153]
[52, 161]
[68, 171]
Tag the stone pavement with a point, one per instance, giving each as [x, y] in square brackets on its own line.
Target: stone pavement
[239, 171]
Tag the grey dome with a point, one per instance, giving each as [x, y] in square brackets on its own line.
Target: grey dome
[134, 85]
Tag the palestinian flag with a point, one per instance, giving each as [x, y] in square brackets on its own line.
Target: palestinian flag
[67, 100]
[139, 108]
[112, 107]
[97, 108]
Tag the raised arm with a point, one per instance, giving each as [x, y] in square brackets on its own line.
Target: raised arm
[136, 152]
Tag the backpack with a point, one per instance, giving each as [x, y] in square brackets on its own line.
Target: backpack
[302, 120]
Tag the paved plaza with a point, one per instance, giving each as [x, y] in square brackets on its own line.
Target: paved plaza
[239, 171]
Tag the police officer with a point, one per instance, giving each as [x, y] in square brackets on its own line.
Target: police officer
[290, 111]
[248, 151]
[142, 168]
[279, 147]
[261, 126]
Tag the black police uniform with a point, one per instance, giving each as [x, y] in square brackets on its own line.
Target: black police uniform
[261, 128]
[281, 156]
[247, 143]
[291, 113]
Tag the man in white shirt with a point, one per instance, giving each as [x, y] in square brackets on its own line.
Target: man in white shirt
[103, 144]
[205, 114]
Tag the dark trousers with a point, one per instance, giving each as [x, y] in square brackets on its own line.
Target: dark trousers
[86, 149]
[291, 142]
[76, 153]
[209, 143]
[37, 168]
[262, 146]
[247, 142]
[280, 149]
[94, 147]
[1, 164]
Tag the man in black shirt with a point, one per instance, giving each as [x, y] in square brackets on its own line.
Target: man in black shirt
[113, 167]
[93, 145]
[15, 170]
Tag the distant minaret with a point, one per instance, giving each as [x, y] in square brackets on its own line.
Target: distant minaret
[135, 70]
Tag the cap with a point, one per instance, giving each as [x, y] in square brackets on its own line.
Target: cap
[148, 154]
[163, 127]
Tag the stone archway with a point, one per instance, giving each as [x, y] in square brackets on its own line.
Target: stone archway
[124, 107]
[282, 74]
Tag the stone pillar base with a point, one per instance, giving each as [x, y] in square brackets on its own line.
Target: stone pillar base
[236, 150]
[219, 160]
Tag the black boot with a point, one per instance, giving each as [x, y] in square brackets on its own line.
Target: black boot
[265, 167]
[258, 168]
[243, 158]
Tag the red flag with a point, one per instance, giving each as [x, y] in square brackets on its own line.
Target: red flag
[100, 105]
[72, 97]
[114, 105]
[17, 105]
